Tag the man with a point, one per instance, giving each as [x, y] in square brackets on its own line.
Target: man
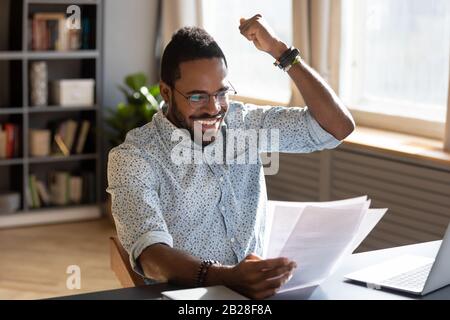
[175, 219]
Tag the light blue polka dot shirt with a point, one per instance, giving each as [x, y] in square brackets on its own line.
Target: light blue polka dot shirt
[209, 210]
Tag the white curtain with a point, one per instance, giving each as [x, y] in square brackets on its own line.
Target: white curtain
[179, 13]
[316, 34]
[172, 15]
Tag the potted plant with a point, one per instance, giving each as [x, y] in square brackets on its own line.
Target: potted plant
[142, 102]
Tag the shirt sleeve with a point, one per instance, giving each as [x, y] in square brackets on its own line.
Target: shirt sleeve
[295, 127]
[133, 186]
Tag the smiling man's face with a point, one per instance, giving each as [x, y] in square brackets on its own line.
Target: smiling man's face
[202, 76]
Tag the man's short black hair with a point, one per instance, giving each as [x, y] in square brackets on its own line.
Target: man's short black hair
[187, 44]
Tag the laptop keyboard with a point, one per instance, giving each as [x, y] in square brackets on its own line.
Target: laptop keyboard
[413, 280]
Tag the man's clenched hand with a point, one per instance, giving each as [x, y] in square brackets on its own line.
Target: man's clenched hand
[257, 30]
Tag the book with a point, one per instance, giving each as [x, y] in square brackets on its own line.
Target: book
[28, 197]
[74, 39]
[85, 32]
[66, 188]
[69, 134]
[52, 34]
[29, 194]
[63, 40]
[59, 187]
[30, 33]
[64, 134]
[2, 144]
[17, 146]
[76, 189]
[49, 32]
[39, 142]
[82, 136]
[57, 143]
[43, 192]
[47, 29]
[34, 192]
[61, 145]
[35, 34]
[10, 139]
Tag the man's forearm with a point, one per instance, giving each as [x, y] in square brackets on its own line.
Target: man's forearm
[253, 276]
[322, 101]
[163, 263]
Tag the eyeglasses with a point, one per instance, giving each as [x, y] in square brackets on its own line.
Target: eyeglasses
[200, 100]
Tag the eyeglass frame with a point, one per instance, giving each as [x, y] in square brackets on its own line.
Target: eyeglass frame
[188, 97]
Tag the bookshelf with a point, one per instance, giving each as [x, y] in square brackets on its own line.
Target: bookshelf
[16, 56]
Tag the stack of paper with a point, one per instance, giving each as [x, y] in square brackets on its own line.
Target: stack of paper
[317, 235]
[204, 293]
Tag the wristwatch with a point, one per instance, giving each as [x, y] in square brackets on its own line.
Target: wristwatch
[290, 57]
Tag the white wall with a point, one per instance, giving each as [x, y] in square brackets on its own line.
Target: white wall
[129, 31]
[128, 44]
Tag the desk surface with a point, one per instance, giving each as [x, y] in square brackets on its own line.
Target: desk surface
[334, 288]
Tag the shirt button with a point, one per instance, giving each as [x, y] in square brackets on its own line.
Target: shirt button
[222, 208]
[221, 179]
[232, 240]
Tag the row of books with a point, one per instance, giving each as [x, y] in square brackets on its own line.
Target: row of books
[49, 31]
[9, 141]
[63, 188]
[70, 137]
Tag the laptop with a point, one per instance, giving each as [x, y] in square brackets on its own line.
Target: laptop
[409, 273]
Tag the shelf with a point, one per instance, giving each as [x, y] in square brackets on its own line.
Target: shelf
[11, 55]
[11, 110]
[9, 162]
[16, 58]
[62, 2]
[75, 157]
[50, 215]
[76, 54]
[60, 109]
[53, 208]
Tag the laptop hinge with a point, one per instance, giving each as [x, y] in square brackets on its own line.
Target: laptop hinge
[373, 286]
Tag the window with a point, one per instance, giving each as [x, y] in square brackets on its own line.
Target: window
[250, 70]
[395, 57]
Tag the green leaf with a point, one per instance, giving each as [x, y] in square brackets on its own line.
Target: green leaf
[136, 81]
[142, 103]
[154, 90]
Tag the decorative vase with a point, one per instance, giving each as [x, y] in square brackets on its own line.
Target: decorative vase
[38, 83]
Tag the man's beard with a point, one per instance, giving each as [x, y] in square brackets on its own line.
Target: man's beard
[182, 124]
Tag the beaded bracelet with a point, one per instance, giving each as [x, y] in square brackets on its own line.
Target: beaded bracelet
[203, 271]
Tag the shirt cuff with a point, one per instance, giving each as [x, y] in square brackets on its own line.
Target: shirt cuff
[322, 138]
[145, 241]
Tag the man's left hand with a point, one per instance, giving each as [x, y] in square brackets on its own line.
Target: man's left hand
[257, 30]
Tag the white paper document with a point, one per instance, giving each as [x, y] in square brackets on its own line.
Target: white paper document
[204, 293]
[317, 236]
